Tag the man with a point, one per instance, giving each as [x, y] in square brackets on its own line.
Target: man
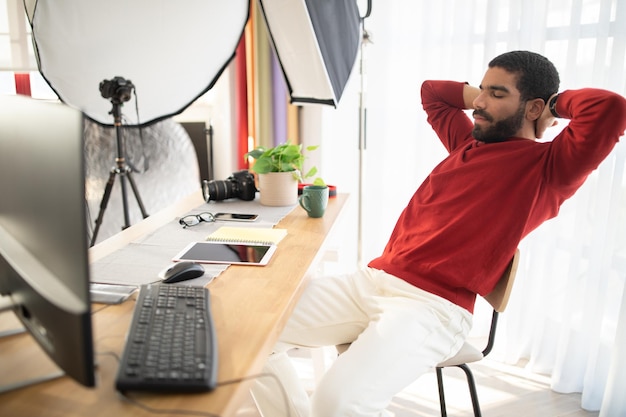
[412, 307]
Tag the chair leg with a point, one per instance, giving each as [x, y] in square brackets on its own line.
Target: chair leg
[472, 389]
[442, 397]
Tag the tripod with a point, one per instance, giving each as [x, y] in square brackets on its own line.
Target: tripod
[123, 171]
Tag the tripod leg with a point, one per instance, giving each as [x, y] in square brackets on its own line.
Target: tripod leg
[136, 192]
[103, 205]
[121, 169]
[124, 201]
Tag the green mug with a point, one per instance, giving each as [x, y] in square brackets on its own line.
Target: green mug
[314, 200]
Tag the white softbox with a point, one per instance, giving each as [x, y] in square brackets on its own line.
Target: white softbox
[171, 51]
[317, 42]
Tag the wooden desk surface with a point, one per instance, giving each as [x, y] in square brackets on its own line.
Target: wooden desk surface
[250, 306]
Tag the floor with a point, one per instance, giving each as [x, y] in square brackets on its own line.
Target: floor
[503, 390]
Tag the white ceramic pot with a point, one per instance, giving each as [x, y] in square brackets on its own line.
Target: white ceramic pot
[278, 189]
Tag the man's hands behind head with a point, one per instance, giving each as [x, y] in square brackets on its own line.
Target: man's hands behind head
[545, 121]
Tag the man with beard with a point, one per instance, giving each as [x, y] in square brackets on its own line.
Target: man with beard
[411, 308]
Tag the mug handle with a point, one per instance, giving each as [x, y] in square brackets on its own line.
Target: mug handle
[303, 200]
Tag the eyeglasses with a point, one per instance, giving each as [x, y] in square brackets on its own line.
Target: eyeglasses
[194, 219]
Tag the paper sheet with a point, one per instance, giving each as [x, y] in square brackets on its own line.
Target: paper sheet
[247, 234]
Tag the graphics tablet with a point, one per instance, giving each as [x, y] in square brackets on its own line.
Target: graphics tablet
[227, 253]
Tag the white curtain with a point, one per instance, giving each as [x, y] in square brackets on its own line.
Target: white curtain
[566, 302]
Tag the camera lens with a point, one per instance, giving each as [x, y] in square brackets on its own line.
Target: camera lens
[218, 190]
[123, 94]
[105, 89]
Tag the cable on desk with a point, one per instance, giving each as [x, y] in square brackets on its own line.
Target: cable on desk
[111, 354]
[153, 410]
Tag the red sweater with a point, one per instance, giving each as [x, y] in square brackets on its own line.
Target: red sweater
[463, 224]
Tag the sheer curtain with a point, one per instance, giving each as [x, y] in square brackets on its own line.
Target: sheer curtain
[563, 315]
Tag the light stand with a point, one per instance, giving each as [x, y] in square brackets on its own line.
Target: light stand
[119, 91]
[366, 39]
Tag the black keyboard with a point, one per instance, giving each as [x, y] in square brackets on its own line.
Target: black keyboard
[171, 344]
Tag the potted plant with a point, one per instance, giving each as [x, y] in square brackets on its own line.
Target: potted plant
[279, 170]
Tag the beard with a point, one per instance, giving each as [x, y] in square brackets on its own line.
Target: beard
[502, 129]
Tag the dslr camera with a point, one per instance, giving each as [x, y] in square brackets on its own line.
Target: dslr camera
[240, 185]
[118, 89]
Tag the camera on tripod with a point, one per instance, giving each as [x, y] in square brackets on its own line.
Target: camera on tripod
[118, 89]
[240, 185]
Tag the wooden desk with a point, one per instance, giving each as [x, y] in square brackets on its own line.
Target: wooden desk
[250, 306]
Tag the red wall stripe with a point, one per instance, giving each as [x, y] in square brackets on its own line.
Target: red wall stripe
[241, 103]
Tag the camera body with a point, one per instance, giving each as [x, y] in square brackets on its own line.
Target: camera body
[240, 185]
[118, 89]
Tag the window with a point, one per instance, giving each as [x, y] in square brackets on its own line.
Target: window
[16, 51]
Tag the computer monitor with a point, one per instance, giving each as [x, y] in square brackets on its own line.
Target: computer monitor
[44, 269]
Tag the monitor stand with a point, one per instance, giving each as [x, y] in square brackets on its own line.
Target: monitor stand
[6, 306]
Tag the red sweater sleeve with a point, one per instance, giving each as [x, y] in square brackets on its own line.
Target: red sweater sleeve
[598, 119]
[443, 103]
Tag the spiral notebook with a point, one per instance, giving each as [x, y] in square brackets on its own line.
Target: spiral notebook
[262, 235]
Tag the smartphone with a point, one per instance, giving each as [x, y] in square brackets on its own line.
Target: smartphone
[236, 217]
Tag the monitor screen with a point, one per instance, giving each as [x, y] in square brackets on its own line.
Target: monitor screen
[44, 269]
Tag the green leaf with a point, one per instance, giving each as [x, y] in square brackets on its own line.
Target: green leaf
[319, 181]
[311, 172]
[262, 166]
[256, 153]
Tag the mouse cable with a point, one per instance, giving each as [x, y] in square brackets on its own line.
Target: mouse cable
[153, 410]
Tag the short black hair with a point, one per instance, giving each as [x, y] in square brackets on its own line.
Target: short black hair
[537, 76]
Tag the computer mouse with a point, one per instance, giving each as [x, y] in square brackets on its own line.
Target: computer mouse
[182, 271]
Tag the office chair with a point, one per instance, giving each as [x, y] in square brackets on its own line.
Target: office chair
[498, 298]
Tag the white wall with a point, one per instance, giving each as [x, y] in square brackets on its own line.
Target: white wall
[216, 108]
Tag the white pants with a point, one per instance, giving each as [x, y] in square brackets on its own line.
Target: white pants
[398, 332]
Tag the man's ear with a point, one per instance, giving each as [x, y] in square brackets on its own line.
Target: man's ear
[534, 108]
